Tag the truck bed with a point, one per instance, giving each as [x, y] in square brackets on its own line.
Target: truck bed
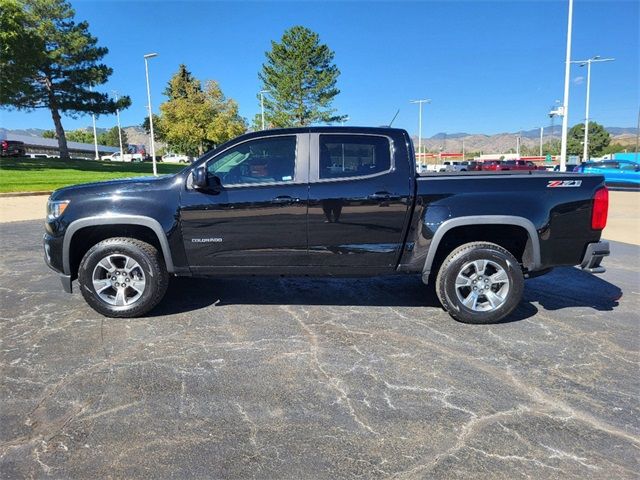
[555, 207]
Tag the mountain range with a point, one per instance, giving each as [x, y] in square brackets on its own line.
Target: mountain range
[450, 142]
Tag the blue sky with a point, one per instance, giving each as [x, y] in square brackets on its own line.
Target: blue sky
[489, 67]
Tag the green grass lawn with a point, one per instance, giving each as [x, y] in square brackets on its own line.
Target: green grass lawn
[45, 174]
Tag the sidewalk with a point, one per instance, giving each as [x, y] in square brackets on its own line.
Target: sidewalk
[18, 209]
[623, 224]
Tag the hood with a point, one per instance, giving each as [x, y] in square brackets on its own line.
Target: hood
[109, 187]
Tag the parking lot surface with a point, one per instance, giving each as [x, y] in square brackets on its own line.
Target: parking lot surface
[318, 378]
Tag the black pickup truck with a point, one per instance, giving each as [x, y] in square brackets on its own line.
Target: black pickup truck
[325, 201]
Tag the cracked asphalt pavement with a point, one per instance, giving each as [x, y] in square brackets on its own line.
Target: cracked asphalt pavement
[318, 378]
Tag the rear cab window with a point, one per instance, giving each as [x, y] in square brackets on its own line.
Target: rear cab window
[346, 156]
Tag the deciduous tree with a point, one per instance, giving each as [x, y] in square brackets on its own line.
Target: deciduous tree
[111, 138]
[194, 119]
[599, 138]
[81, 135]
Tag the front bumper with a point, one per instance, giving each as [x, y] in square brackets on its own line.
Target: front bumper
[593, 257]
[52, 257]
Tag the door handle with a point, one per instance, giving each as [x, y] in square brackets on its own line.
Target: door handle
[380, 196]
[285, 200]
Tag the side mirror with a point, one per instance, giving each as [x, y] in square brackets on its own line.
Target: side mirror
[200, 180]
[203, 181]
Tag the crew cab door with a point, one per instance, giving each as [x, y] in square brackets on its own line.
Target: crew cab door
[257, 218]
[359, 197]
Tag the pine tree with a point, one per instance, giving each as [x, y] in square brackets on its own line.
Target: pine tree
[300, 77]
[60, 72]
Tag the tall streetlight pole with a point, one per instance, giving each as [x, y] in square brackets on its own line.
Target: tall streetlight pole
[582, 63]
[95, 134]
[541, 135]
[565, 101]
[262, 92]
[153, 145]
[420, 102]
[119, 129]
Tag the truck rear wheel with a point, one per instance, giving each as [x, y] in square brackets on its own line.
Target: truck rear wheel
[122, 277]
[480, 282]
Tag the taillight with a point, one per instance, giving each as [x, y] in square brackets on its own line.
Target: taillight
[600, 209]
[5, 145]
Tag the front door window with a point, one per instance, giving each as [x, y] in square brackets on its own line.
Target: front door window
[266, 160]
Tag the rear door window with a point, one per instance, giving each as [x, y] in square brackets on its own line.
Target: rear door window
[343, 156]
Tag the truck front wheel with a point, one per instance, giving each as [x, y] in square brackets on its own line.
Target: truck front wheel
[480, 282]
[122, 277]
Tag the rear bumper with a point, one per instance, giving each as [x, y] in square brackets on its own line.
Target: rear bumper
[593, 257]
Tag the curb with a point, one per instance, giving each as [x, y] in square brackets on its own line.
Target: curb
[24, 194]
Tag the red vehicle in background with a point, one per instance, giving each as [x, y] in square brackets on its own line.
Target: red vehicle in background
[493, 165]
[520, 165]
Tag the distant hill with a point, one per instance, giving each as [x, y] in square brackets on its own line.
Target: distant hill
[503, 142]
[135, 134]
[452, 142]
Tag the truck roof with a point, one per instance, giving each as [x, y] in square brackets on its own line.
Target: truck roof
[328, 129]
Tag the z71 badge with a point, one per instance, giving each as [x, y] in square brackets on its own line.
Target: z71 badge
[564, 183]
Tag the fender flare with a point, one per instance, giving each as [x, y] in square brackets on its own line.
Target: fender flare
[149, 222]
[483, 220]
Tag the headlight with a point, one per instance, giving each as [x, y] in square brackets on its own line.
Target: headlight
[56, 208]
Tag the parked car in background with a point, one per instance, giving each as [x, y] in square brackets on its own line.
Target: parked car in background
[38, 155]
[455, 167]
[473, 166]
[127, 157]
[493, 165]
[176, 158]
[521, 165]
[617, 173]
[570, 167]
[12, 148]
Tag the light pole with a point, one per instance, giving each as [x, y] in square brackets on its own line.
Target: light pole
[420, 102]
[541, 135]
[518, 147]
[119, 129]
[153, 146]
[588, 62]
[565, 101]
[262, 92]
[95, 134]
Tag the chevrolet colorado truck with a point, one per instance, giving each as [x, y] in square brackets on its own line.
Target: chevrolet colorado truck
[325, 201]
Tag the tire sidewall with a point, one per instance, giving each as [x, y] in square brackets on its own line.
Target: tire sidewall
[102, 250]
[485, 252]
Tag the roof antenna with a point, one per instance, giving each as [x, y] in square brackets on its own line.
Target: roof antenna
[394, 118]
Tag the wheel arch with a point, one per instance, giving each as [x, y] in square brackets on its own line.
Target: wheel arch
[149, 224]
[530, 256]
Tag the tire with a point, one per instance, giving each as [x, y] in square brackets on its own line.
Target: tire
[117, 262]
[492, 271]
